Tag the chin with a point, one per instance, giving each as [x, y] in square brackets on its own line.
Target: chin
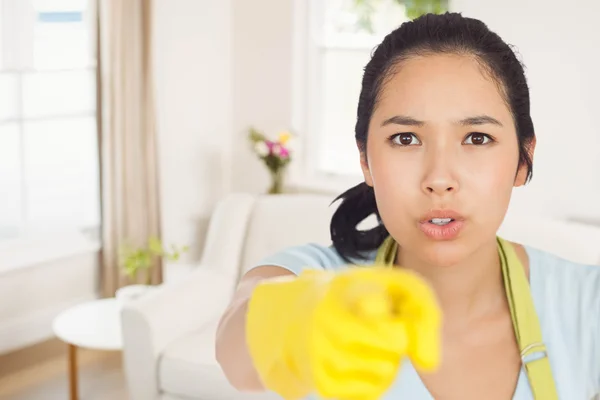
[443, 254]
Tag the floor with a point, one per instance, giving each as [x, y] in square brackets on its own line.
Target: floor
[100, 378]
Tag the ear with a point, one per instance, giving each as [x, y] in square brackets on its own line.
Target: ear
[522, 172]
[364, 165]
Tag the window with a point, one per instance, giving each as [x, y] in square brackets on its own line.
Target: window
[334, 41]
[49, 175]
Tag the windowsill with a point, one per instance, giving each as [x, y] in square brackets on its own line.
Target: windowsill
[29, 251]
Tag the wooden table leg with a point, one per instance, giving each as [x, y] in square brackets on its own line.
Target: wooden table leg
[73, 372]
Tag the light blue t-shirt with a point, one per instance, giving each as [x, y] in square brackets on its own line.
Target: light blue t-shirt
[567, 299]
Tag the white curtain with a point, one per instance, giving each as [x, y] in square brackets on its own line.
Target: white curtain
[130, 203]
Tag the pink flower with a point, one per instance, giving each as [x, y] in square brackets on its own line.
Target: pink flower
[270, 146]
[283, 152]
[277, 149]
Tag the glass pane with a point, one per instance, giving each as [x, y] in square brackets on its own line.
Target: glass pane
[59, 93]
[63, 34]
[9, 96]
[341, 78]
[2, 45]
[10, 180]
[61, 173]
[360, 23]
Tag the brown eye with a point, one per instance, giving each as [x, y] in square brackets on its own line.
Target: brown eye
[405, 139]
[477, 139]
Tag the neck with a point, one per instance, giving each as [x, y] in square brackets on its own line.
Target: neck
[467, 290]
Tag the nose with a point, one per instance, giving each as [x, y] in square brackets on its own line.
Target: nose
[439, 179]
[440, 187]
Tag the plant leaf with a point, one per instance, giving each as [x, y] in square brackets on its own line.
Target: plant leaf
[155, 246]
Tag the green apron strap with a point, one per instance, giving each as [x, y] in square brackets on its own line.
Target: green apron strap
[526, 324]
[524, 317]
[386, 254]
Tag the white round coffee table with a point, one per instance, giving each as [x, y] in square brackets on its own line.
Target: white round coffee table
[94, 325]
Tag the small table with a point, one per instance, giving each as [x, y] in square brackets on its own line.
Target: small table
[94, 325]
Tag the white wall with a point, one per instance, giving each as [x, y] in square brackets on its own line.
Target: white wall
[39, 278]
[221, 66]
[262, 82]
[193, 67]
[33, 295]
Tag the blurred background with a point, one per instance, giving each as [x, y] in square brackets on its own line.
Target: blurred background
[124, 122]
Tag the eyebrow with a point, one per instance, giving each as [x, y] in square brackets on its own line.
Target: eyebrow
[402, 120]
[480, 120]
[471, 121]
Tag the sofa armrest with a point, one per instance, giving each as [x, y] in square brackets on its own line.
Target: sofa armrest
[171, 311]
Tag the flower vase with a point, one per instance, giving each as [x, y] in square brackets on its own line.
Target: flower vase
[277, 178]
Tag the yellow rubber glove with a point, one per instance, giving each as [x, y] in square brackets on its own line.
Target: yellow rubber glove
[341, 335]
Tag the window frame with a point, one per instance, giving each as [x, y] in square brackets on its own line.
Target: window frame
[13, 62]
[308, 44]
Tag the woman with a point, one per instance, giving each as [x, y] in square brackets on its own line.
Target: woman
[444, 132]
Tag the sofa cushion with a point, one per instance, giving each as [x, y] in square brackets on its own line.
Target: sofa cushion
[285, 220]
[573, 241]
[188, 368]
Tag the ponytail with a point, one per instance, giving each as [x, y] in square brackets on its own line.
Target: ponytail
[357, 204]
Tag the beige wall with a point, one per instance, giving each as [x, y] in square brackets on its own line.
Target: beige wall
[193, 66]
[221, 66]
[262, 79]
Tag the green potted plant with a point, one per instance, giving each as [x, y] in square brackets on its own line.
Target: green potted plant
[138, 260]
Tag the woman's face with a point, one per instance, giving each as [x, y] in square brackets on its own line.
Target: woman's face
[442, 157]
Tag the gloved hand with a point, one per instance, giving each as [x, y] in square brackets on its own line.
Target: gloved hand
[341, 335]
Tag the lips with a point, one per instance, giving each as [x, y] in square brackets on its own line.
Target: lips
[442, 224]
[442, 214]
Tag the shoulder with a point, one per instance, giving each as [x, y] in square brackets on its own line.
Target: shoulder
[310, 256]
[562, 284]
[567, 299]
[555, 276]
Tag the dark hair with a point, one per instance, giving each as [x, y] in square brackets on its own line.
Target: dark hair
[449, 33]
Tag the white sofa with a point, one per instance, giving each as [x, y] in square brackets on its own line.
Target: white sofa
[169, 334]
